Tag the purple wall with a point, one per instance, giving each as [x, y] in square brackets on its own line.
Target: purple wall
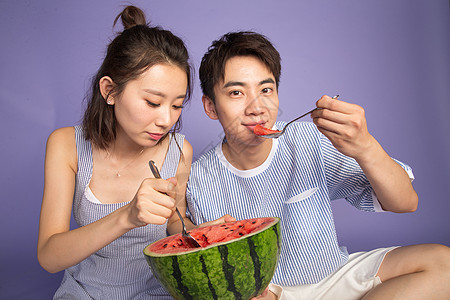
[391, 57]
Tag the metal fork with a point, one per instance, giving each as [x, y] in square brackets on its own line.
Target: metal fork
[276, 135]
[187, 237]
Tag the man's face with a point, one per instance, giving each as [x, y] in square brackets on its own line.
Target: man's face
[246, 97]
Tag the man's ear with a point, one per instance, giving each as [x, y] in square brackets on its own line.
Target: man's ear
[210, 108]
[106, 86]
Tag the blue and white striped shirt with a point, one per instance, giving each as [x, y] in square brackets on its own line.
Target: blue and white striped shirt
[300, 177]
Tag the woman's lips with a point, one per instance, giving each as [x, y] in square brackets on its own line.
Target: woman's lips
[156, 136]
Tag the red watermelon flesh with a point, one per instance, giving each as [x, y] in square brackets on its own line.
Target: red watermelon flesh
[210, 235]
[260, 130]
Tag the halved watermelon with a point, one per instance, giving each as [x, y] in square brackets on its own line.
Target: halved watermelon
[236, 261]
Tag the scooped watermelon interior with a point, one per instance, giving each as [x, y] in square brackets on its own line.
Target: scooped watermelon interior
[210, 235]
[236, 261]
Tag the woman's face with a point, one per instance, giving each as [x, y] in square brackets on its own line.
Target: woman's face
[150, 105]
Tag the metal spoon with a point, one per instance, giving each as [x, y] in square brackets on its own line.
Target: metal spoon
[277, 134]
[190, 241]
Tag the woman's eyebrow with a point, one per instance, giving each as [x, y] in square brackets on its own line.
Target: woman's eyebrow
[162, 95]
[154, 92]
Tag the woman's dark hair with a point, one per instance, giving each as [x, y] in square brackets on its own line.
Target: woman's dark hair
[244, 43]
[133, 51]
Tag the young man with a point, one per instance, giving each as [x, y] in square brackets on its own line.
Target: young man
[296, 176]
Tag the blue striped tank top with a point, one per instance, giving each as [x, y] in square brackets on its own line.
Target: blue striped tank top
[119, 270]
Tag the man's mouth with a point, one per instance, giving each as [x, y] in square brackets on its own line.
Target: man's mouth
[251, 126]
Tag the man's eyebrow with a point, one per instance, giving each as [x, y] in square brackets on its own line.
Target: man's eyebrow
[239, 83]
[233, 83]
[268, 80]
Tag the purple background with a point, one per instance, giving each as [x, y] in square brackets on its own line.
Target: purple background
[389, 56]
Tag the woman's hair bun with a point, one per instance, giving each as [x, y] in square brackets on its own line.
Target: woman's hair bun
[131, 16]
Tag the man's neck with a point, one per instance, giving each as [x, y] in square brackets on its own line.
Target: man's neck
[247, 157]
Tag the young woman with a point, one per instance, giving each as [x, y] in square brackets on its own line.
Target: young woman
[100, 168]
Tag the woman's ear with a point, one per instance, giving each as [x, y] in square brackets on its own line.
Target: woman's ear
[210, 108]
[106, 86]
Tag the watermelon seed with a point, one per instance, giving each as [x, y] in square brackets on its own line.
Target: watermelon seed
[165, 245]
[241, 234]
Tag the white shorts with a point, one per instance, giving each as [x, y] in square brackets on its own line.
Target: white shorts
[351, 281]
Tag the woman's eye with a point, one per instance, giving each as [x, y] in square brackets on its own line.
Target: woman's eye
[178, 106]
[152, 104]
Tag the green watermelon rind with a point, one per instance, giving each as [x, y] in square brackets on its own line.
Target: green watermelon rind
[221, 271]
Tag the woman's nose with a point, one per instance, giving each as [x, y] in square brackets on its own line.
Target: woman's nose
[164, 118]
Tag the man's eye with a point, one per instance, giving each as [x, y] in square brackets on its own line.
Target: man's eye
[235, 93]
[152, 104]
[266, 90]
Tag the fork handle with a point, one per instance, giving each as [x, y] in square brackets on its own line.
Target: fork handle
[302, 116]
[335, 97]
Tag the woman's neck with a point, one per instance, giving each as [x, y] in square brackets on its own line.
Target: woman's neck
[123, 150]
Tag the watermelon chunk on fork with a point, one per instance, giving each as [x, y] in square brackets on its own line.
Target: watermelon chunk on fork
[261, 130]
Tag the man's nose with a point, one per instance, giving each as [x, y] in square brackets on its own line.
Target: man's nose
[255, 105]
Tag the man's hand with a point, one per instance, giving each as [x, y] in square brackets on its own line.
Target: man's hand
[344, 124]
[226, 218]
[266, 295]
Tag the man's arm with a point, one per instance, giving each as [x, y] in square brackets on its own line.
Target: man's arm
[344, 124]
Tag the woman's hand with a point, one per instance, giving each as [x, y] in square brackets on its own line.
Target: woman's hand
[153, 203]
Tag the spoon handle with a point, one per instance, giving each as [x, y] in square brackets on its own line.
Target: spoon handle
[154, 169]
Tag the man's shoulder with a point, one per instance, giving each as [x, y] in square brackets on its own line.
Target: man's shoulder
[203, 170]
[209, 157]
[299, 131]
[299, 125]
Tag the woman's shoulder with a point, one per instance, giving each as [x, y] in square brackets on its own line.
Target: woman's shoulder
[62, 136]
[61, 145]
[187, 151]
[186, 147]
